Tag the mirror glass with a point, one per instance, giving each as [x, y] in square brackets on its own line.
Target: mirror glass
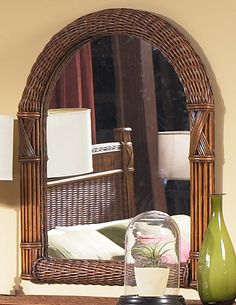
[128, 83]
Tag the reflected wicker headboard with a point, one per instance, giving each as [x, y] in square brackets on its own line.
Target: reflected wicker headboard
[105, 194]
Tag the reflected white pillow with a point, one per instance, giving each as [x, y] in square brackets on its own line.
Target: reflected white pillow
[183, 222]
[82, 244]
[95, 226]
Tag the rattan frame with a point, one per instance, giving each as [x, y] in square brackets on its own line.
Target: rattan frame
[33, 108]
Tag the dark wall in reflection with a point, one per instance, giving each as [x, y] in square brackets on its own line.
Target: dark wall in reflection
[172, 115]
[171, 101]
[177, 197]
[104, 88]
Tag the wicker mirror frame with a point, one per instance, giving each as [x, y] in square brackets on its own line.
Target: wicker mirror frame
[32, 114]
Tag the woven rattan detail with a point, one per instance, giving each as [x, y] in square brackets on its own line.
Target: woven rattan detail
[28, 147]
[200, 144]
[81, 271]
[139, 24]
[107, 272]
[32, 245]
[103, 196]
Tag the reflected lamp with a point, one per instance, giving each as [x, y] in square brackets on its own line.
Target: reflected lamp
[173, 153]
[69, 143]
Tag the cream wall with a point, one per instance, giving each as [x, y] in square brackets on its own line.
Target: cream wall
[27, 25]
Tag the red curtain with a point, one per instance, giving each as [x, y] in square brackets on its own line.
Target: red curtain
[74, 88]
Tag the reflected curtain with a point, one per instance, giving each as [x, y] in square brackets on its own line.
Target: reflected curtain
[74, 87]
[136, 108]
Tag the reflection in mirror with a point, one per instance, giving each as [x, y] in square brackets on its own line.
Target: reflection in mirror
[67, 131]
[127, 82]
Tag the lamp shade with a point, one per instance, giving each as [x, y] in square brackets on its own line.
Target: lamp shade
[173, 152]
[6, 146]
[69, 143]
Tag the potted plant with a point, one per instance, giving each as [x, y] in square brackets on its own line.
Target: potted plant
[152, 256]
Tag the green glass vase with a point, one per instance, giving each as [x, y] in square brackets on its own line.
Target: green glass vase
[217, 260]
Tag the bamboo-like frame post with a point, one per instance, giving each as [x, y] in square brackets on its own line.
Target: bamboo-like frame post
[202, 162]
[30, 190]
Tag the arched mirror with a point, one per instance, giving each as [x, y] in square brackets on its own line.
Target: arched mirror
[141, 69]
[123, 78]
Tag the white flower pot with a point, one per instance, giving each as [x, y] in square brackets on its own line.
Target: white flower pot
[151, 281]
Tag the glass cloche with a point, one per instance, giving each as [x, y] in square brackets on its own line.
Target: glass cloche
[152, 265]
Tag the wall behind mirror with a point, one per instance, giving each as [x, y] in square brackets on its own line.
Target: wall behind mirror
[126, 82]
[14, 69]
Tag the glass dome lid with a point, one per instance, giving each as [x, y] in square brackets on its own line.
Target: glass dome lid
[152, 255]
